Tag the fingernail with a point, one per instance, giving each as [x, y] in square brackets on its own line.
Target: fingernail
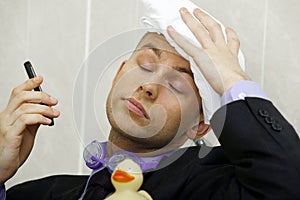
[52, 99]
[37, 79]
[56, 112]
[183, 10]
[170, 28]
[197, 10]
[48, 120]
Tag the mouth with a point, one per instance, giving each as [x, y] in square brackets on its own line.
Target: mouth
[136, 107]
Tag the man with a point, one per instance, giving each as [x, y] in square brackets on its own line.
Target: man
[260, 153]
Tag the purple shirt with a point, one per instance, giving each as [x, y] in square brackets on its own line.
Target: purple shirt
[242, 89]
[2, 193]
[237, 92]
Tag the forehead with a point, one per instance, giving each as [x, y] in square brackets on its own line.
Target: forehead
[158, 41]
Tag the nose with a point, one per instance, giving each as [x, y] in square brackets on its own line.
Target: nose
[149, 90]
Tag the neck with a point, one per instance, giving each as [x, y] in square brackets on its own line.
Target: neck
[119, 142]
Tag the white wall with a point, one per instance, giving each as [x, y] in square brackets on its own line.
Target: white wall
[57, 35]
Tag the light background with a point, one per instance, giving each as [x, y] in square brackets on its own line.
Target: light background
[57, 35]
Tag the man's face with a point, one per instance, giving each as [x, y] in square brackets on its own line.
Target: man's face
[154, 100]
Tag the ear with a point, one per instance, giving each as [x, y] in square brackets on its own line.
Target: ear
[119, 70]
[198, 131]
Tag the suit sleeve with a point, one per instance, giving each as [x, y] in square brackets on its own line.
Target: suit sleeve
[263, 147]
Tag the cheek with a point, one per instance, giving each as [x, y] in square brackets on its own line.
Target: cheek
[191, 113]
[182, 110]
[170, 103]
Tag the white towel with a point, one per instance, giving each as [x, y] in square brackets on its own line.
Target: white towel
[161, 13]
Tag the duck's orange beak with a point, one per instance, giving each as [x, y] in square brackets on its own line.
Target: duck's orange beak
[122, 176]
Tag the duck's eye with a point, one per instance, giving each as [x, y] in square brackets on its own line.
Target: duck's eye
[129, 169]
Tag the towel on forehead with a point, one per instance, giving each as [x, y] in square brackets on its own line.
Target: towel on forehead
[161, 13]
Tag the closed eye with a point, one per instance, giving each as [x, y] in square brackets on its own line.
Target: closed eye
[175, 87]
[146, 68]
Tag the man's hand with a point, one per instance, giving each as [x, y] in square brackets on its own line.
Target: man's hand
[19, 123]
[218, 60]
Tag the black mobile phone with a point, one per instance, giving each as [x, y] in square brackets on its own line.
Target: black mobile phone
[31, 74]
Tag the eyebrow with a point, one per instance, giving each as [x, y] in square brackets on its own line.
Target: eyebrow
[157, 52]
[184, 70]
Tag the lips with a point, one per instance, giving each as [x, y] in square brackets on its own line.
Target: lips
[136, 107]
[122, 176]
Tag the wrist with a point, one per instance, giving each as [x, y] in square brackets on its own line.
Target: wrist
[230, 82]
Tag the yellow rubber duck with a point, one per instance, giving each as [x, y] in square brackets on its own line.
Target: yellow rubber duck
[127, 178]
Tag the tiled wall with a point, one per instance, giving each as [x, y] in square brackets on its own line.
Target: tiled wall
[57, 35]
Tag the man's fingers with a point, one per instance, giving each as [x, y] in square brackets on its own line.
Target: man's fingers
[28, 85]
[29, 108]
[233, 41]
[197, 28]
[28, 119]
[214, 28]
[182, 42]
[30, 97]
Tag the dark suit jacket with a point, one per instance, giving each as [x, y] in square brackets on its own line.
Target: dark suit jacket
[259, 159]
